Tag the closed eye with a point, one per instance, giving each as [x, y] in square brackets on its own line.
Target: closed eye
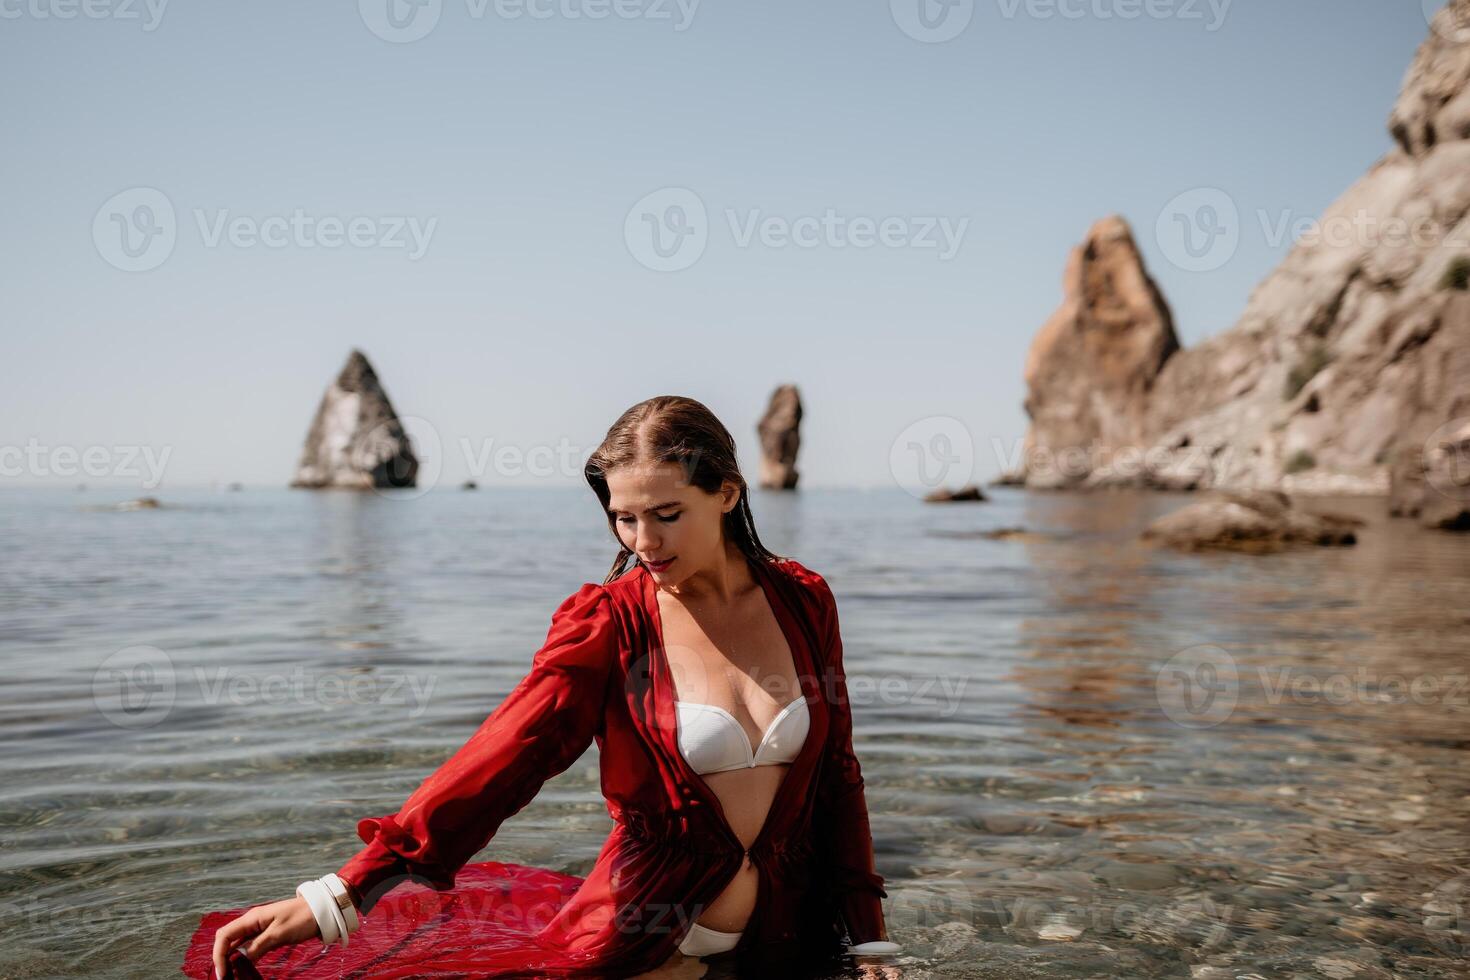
[666, 520]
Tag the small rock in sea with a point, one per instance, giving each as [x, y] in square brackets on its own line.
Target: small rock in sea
[469, 485]
[1010, 534]
[142, 503]
[1255, 521]
[968, 492]
[356, 439]
[780, 435]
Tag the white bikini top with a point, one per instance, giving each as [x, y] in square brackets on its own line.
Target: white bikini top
[714, 741]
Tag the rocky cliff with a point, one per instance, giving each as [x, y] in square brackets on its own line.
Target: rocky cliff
[356, 440]
[1348, 357]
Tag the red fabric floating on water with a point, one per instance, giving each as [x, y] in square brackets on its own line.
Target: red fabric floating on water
[485, 927]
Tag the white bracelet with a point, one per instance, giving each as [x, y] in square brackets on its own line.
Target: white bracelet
[336, 914]
[338, 889]
[876, 947]
[330, 903]
[320, 901]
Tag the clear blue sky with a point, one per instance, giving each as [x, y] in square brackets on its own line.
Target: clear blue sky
[528, 319]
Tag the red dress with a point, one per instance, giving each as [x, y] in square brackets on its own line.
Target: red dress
[602, 676]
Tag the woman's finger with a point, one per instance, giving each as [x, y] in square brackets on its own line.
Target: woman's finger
[268, 940]
[230, 935]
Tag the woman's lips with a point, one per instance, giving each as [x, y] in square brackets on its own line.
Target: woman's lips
[658, 566]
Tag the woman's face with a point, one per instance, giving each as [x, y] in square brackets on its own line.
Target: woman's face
[661, 517]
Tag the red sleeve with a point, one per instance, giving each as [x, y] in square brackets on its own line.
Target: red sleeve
[546, 722]
[842, 831]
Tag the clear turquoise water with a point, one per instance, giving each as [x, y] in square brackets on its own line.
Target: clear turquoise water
[1041, 805]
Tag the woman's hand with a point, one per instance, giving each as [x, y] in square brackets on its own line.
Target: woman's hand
[262, 929]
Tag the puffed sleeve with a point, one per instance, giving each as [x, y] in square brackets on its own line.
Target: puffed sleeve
[842, 831]
[546, 722]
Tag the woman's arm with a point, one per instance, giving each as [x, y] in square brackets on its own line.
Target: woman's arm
[843, 833]
[541, 728]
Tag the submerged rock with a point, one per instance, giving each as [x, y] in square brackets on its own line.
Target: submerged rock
[356, 440]
[1253, 521]
[780, 434]
[968, 492]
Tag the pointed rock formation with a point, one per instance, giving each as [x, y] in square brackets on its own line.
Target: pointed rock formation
[356, 440]
[1092, 366]
[1351, 353]
[780, 433]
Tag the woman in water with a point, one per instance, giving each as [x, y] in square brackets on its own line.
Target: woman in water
[710, 676]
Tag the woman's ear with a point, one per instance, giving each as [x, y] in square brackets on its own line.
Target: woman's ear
[730, 490]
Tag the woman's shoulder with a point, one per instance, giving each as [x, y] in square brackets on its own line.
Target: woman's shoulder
[811, 582]
[802, 573]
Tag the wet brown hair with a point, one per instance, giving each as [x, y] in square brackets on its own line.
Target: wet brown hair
[675, 429]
